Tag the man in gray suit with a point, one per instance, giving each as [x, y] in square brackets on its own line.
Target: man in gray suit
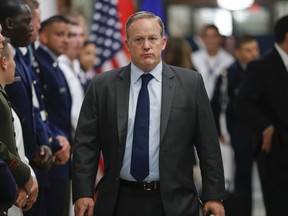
[179, 118]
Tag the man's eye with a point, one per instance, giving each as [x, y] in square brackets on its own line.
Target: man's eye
[153, 39]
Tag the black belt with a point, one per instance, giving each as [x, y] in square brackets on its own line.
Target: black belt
[146, 186]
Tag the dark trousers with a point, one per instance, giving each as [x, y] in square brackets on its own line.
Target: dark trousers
[39, 207]
[242, 144]
[58, 197]
[132, 202]
[273, 173]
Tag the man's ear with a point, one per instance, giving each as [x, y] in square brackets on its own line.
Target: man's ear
[127, 45]
[43, 38]
[3, 63]
[9, 23]
[286, 37]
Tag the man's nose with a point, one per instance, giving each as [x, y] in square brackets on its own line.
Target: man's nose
[1, 38]
[146, 45]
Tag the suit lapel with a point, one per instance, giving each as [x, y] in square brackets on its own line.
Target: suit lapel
[122, 106]
[168, 88]
[122, 103]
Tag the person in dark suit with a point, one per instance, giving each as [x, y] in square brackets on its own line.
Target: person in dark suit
[180, 118]
[224, 97]
[262, 104]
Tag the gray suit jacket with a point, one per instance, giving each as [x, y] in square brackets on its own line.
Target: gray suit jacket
[186, 121]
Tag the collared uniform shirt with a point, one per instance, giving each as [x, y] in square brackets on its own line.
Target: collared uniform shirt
[155, 95]
[211, 67]
[75, 87]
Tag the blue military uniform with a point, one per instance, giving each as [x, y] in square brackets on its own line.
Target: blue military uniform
[52, 130]
[39, 208]
[58, 104]
[20, 94]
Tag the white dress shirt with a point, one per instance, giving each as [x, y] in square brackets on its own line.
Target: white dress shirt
[75, 87]
[210, 67]
[155, 95]
[14, 210]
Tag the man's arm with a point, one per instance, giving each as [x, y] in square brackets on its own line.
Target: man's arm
[248, 107]
[86, 149]
[208, 148]
[20, 171]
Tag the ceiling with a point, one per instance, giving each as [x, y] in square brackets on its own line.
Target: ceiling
[213, 2]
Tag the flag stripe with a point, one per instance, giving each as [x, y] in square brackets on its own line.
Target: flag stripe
[107, 31]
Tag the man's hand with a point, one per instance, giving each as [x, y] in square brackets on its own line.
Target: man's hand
[29, 184]
[267, 138]
[43, 158]
[63, 155]
[215, 208]
[21, 198]
[32, 196]
[222, 139]
[82, 205]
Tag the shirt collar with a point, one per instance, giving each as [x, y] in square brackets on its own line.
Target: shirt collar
[23, 50]
[283, 55]
[53, 55]
[136, 73]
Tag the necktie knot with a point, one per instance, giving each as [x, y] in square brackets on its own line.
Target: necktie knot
[146, 78]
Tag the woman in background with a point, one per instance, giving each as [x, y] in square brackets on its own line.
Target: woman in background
[178, 53]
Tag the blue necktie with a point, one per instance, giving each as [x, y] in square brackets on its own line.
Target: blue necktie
[140, 148]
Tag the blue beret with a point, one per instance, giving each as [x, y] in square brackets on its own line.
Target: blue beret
[7, 184]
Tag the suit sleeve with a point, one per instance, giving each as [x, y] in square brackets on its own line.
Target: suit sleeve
[247, 104]
[208, 148]
[86, 150]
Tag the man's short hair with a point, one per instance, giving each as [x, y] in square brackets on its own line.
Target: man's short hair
[144, 15]
[209, 26]
[9, 9]
[33, 4]
[54, 19]
[240, 40]
[280, 29]
[5, 50]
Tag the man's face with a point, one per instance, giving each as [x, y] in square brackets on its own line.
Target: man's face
[247, 52]
[76, 41]
[36, 23]
[87, 56]
[56, 37]
[22, 27]
[145, 43]
[1, 40]
[211, 39]
[10, 65]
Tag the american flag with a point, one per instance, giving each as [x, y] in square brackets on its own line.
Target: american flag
[107, 33]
